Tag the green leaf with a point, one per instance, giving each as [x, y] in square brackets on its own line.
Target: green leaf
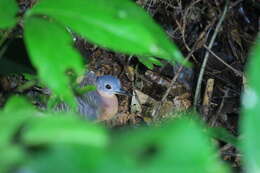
[50, 49]
[16, 112]
[180, 146]
[8, 13]
[149, 62]
[85, 89]
[33, 78]
[224, 135]
[18, 105]
[30, 77]
[116, 24]
[10, 155]
[66, 159]
[250, 124]
[68, 129]
[20, 123]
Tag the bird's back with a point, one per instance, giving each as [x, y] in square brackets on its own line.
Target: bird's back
[89, 104]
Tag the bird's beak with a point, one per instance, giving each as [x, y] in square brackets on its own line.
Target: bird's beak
[123, 92]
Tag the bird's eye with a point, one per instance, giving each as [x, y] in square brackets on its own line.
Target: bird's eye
[108, 86]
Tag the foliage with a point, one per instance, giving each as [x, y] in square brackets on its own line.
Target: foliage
[52, 58]
[118, 25]
[130, 28]
[250, 119]
[7, 13]
[149, 62]
[68, 144]
[23, 126]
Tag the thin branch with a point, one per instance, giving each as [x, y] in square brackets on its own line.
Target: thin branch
[198, 87]
[221, 60]
[174, 79]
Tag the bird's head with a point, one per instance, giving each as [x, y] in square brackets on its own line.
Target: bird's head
[110, 85]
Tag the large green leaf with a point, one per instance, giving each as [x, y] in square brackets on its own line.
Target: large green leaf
[179, 146]
[22, 126]
[16, 112]
[66, 159]
[250, 123]
[224, 135]
[50, 49]
[116, 24]
[149, 62]
[8, 12]
[11, 155]
[66, 129]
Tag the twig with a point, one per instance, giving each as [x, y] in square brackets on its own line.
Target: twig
[2, 41]
[183, 38]
[235, 3]
[214, 119]
[194, 48]
[218, 58]
[207, 97]
[159, 105]
[184, 24]
[198, 87]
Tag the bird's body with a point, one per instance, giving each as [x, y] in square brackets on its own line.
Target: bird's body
[101, 104]
[109, 106]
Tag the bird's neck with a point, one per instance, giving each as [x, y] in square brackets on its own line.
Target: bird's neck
[109, 105]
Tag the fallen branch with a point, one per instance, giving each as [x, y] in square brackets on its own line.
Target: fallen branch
[203, 67]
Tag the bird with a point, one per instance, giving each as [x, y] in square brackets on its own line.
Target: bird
[100, 104]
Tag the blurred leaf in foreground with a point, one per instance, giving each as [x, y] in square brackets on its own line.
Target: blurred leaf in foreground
[16, 112]
[50, 49]
[63, 128]
[149, 62]
[179, 146]
[22, 126]
[66, 159]
[224, 135]
[11, 155]
[250, 124]
[119, 25]
[9, 9]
